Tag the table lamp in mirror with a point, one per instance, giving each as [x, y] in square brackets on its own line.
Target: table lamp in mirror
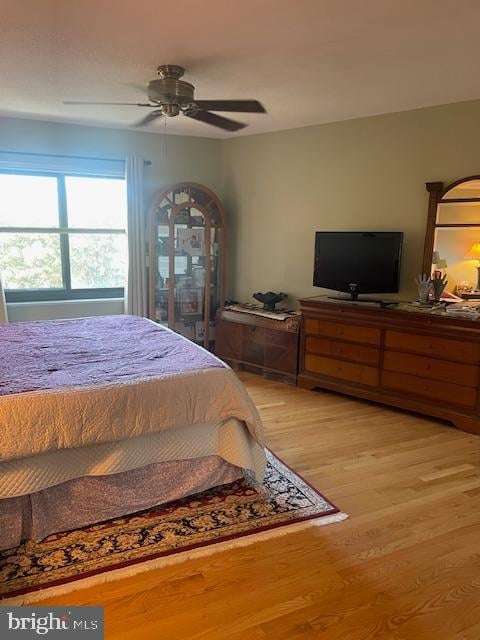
[474, 255]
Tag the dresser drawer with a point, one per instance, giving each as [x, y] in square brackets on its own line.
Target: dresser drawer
[444, 348]
[347, 350]
[462, 374]
[353, 332]
[442, 392]
[340, 369]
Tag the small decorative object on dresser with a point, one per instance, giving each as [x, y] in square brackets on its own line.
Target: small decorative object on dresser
[249, 338]
[439, 282]
[424, 287]
[269, 299]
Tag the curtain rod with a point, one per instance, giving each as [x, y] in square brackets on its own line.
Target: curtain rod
[59, 155]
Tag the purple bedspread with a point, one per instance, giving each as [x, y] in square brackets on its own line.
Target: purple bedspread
[60, 354]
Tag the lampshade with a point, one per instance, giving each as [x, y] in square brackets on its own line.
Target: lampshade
[474, 253]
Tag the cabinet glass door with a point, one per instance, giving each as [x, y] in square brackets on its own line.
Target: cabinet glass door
[186, 261]
[189, 277]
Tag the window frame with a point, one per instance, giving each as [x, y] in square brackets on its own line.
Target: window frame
[65, 293]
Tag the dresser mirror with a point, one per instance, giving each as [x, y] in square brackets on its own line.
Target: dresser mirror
[452, 239]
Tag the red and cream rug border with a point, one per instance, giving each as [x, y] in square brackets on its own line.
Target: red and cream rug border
[205, 548]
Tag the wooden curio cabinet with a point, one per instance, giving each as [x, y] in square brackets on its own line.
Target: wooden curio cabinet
[186, 260]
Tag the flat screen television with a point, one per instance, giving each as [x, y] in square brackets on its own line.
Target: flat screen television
[358, 262]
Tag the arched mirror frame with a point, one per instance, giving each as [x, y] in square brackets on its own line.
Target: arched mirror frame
[207, 202]
[437, 193]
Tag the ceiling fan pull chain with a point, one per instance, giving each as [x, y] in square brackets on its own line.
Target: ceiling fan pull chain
[165, 143]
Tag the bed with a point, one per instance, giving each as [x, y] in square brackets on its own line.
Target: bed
[104, 416]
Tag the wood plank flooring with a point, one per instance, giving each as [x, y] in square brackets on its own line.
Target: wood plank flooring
[405, 566]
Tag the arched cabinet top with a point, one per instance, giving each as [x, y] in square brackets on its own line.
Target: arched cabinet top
[171, 201]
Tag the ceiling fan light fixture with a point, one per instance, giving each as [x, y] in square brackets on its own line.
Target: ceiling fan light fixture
[171, 110]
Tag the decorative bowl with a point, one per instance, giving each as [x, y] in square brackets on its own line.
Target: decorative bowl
[269, 299]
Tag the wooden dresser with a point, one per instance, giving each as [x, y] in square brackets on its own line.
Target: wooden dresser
[422, 362]
[262, 345]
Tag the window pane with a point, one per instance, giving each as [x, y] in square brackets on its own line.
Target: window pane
[30, 260]
[96, 203]
[98, 260]
[28, 201]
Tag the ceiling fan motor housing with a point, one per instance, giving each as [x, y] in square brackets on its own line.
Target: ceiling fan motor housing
[169, 91]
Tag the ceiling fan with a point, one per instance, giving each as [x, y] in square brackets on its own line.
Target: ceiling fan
[169, 96]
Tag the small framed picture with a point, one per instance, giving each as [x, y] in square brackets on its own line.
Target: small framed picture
[199, 330]
[191, 241]
[191, 302]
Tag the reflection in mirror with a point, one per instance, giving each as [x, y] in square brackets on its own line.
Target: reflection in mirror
[458, 213]
[456, 253]
[452, 239]
[466, 189]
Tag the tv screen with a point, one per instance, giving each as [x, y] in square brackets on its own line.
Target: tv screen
[358, 262]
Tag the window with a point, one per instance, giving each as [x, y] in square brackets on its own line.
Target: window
[62, 236]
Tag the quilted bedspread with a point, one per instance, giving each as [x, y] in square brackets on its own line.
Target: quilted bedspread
[39, 356]
[71, 383]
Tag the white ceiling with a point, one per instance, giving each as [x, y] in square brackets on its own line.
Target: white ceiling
[307, 61]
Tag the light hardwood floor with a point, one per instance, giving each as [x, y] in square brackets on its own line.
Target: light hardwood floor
[405, 566]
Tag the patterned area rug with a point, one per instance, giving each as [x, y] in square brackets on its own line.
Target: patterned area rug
[198, 525]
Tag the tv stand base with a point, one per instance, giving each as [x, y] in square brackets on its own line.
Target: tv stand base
[382, 303]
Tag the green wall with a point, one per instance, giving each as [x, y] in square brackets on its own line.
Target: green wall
[364, 174]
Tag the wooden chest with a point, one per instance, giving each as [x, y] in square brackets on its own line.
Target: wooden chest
[259, 344]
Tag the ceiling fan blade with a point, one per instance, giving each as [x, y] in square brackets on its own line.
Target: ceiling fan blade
[214, 120]
[149, 118]
[130, 104]
[240, 106]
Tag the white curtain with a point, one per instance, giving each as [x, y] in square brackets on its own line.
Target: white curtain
[136, 285]
[3, 304]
